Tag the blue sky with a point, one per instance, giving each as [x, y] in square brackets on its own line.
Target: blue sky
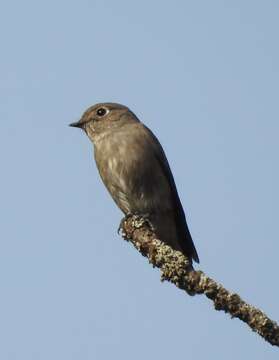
[204, 77]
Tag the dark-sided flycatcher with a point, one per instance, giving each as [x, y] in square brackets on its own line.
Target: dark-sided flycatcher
[135, 170]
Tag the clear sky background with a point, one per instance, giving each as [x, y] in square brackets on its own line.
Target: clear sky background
[204, 76]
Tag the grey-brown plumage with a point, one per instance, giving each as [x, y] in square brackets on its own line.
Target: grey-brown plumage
[135, 170]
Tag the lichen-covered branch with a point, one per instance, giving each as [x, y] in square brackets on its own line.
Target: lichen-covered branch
[175, 267]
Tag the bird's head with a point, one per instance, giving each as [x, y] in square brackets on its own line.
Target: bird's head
[103, 118]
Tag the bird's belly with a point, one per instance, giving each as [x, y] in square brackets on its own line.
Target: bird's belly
[134, 187]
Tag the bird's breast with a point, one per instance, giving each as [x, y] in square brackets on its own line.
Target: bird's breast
[132, 174]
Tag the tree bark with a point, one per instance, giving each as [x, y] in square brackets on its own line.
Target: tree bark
[177, 269]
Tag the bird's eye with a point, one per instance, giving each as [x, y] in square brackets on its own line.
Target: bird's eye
[101, 111]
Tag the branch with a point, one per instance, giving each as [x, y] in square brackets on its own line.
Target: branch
[176, 268]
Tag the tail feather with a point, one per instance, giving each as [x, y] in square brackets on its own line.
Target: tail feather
[173, 234]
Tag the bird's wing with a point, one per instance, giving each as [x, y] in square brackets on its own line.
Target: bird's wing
[186, 241]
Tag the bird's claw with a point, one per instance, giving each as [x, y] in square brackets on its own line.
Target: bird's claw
[141, 219]
[138, 220]
[121, 225]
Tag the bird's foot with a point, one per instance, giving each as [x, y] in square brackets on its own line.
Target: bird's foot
[138, 221]
[122, 222]
[141, 219]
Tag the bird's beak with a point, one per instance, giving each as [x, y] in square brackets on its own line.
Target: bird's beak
[77, 124]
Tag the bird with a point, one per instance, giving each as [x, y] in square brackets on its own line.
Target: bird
[135, 170]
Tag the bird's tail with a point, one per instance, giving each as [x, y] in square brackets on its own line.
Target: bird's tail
[174, 235]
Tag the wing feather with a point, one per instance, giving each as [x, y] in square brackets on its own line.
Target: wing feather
[185, 238]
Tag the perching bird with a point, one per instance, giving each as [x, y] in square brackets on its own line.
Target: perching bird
[135, 170]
